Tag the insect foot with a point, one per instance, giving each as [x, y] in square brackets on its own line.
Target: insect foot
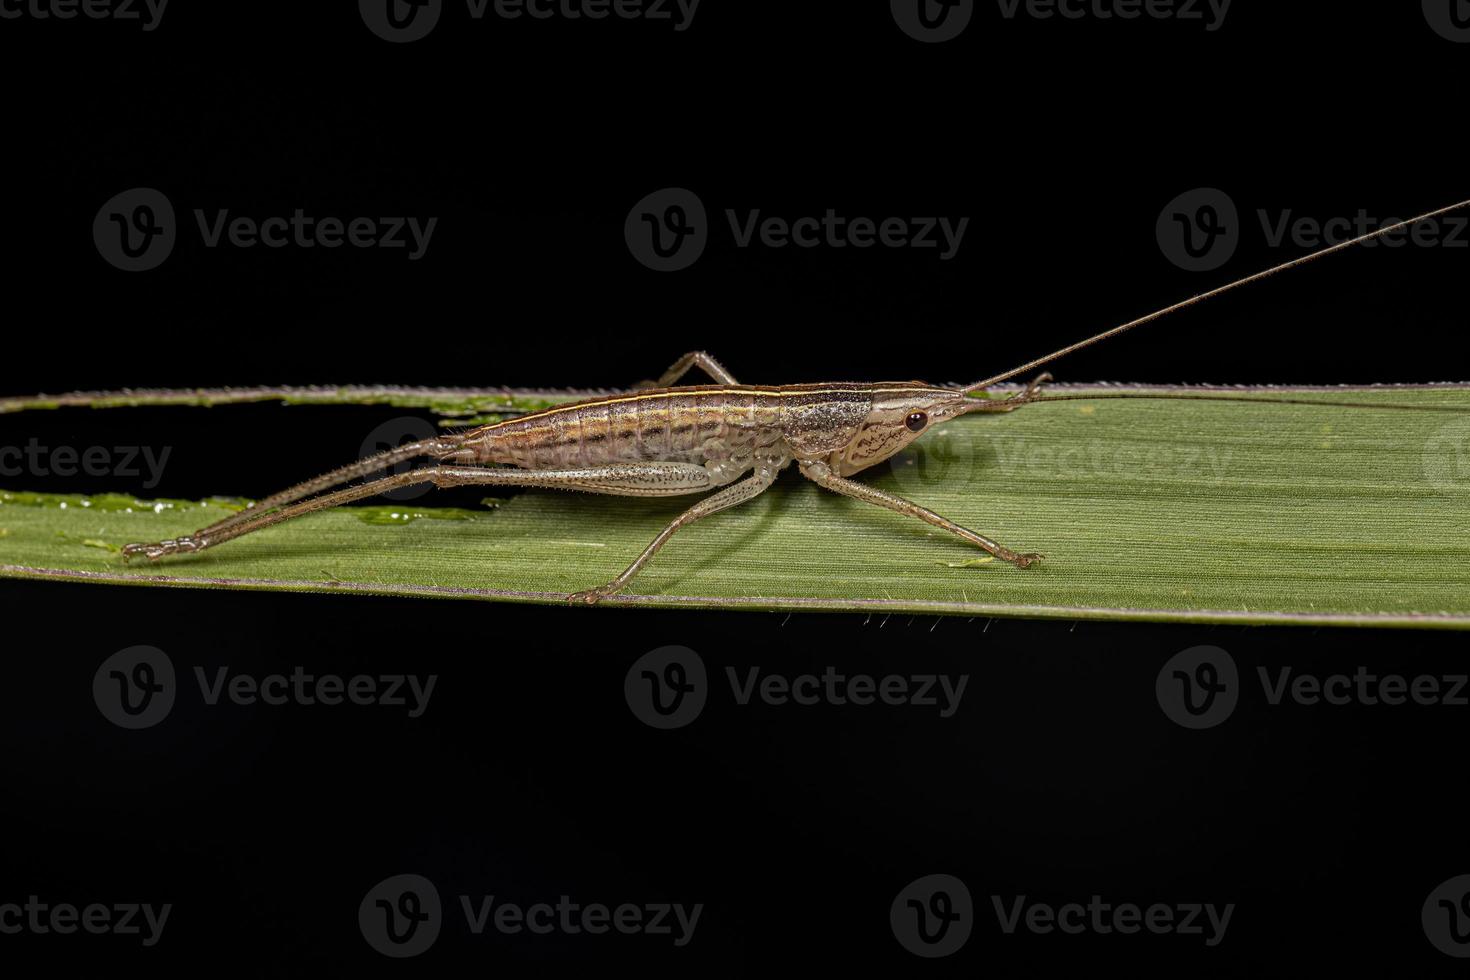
[1026, 560]
[591, 597]
[159, 549]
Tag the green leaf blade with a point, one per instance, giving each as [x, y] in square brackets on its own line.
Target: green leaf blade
[1146, 510]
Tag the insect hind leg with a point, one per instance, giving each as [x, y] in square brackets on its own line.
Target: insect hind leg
[363, 467]
[629, 479]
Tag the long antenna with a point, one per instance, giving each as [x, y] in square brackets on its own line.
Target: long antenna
[1160, 314]
[1264, 400]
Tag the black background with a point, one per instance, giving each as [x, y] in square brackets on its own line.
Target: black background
[528, 777]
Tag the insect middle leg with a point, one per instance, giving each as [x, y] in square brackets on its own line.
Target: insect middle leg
[627, 479]
[693, 359]
[752, 486]
[822, 474]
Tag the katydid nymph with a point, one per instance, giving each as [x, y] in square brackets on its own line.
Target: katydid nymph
[664, 439]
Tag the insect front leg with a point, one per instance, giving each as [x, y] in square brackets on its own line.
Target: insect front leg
[695, 358]
[630, 479]
[752, 486]
[1033, 390]
[822, 474]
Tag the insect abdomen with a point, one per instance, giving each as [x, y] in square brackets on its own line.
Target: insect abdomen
[673, 424]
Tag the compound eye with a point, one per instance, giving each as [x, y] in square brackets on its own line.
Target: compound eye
[917, 421]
